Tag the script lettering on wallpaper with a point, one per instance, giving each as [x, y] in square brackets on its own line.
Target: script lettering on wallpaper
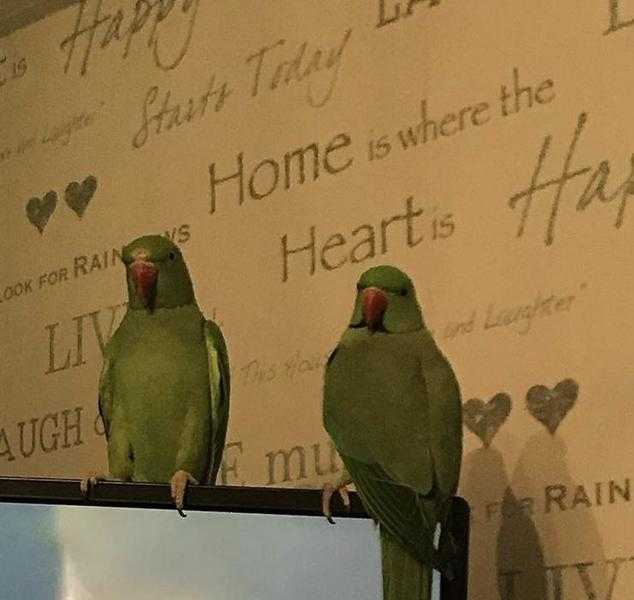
[159, 116]
[152, 20]
[229, 474]
[257, 372]
[297, 167]
[506, 509]
[272, 67]
[261, 371]
[520, 317]
[87, 264]
[80, 266]
[74, 355]
[328, 252]
[619, 15]
[58, 134]
[42, 434]
[594, 194]
[293, 464]
[61, 133]
[11, 69]
[437, 124]
[389, 11]
[558, 498]
[16, 290]
[564, 580]
[518, 96]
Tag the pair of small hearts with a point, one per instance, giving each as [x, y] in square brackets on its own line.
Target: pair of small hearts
[548, 406]
[77, 196]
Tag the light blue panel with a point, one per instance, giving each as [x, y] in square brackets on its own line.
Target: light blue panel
[30, 556]
[86, 553]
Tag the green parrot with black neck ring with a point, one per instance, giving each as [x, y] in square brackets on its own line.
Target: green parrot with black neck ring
[165, 383]
[392, 407]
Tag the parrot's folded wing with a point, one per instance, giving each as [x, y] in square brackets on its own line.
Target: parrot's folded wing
[106, 398]
[376, 410]
[445, 417]
[219, 383]
[399, 509]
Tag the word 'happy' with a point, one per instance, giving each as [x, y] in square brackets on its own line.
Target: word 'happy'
[595, 188]
[117, 28]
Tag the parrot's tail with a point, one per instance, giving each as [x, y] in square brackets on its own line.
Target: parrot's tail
[404, 577]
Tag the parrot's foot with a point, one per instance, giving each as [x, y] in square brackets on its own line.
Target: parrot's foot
[91, 481]
[327, 495]
[178, 485]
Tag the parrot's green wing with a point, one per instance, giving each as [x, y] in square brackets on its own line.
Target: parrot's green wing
[106, 398]
[376, 407]
[407, 516]
[445, 417]
[219, 383]
[392, 407]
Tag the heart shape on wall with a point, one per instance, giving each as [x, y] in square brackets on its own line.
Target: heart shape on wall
[550, 407]
[39, 211]
[485, 420]
[78, 195]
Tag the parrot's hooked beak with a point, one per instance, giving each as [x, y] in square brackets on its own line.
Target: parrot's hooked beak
[144, 275]
[374, 305]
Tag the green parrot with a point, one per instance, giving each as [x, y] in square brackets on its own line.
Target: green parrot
[164, 386]
[393, 410]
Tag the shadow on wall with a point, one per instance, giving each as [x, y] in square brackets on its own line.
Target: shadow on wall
[519, 550]
[503, 535]
[30, 559]
[567, 528]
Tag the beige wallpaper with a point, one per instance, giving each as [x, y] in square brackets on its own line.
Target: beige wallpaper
[287, 146]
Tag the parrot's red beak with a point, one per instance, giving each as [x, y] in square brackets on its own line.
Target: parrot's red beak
[374, 305]
[144, 275]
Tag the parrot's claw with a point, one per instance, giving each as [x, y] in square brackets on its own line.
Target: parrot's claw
[178, 486]
[345, 497]
[90, 481]
[327, 495]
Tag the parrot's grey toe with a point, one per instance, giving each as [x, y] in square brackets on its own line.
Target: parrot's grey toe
[345, 497]
[90, 481]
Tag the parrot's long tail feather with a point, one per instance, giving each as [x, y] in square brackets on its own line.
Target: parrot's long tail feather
[404, 577]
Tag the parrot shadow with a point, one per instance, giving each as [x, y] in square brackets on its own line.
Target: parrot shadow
[30, 559]
[501, 529]
[567, 528]
[519, 549]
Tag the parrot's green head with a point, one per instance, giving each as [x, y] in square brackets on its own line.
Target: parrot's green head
[156, 273]
[386, 302]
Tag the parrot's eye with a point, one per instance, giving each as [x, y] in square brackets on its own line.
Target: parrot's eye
[403, 292]
[360, 287]
[172, 255]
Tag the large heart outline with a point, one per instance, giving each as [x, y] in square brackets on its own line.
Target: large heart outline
[78, 195]
[550, 407]
[485, 420]
[39, 211]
